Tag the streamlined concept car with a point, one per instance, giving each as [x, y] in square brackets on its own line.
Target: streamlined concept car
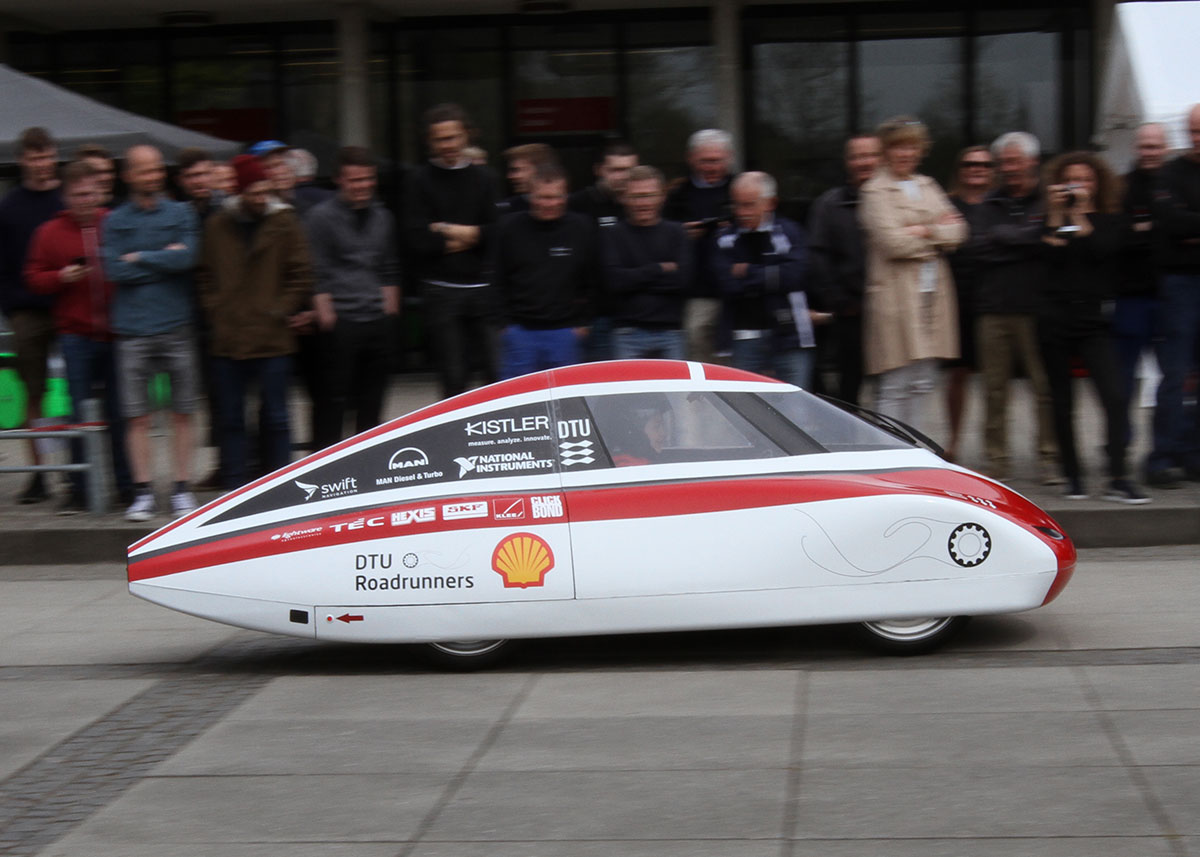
[606, 498]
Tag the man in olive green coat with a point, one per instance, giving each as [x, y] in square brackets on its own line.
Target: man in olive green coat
[255, 284]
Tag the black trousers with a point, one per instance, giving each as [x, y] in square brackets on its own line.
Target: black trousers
[849, 357]
[465, 330]
[357, 358]
[1095, 349]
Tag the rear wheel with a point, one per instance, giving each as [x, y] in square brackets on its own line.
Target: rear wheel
[467, 655]
[911, 636]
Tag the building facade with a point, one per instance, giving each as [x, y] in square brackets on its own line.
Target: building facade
[790, 81]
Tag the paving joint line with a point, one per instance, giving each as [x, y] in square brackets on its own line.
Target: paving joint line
[1158, 811]
[456, 783]
[791, 797]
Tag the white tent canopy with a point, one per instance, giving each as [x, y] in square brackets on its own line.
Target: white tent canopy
[73, 119]
[1152, 76]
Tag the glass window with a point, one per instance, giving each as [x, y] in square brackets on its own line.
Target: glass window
[830, 426]
[463, 66]
[670, 89]
[664, 428]
[223, 87]
[913, 64]
[564, 80]
[800, 99]
[1017, 85]
[309, 69]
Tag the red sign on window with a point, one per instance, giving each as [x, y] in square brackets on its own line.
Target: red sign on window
[564, 115]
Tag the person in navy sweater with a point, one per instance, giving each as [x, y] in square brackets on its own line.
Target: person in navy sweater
[545, 273]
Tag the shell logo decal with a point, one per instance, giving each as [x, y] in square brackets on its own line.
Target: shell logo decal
[523, 559]
[969, 545]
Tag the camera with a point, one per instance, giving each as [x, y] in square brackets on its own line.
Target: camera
[1072, 191]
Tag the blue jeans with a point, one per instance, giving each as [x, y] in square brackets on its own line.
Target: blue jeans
[92, 364]
[523, 350]
[631, 343]
[231, 377]
[1176, 433]
[790, 365]
[598, 344]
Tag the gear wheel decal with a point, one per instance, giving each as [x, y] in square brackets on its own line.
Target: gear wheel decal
[969, 545]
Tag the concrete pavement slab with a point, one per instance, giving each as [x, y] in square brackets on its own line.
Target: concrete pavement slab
[1177, 788]
[1036, 739]
[1130, 630]
[614, 805]
[37, 714]
[384, 698]
[1154, 686]
[936, 691]
[624, 848]
[1160, 737]
[633, 694]
[225, 811]
[344, 746]
[73, 847]
[970, 801]
[641, 743]
[1063, 846]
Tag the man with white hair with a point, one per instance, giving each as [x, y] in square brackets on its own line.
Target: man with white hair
[701, 204]
[1177, 220]
[306, 193]
[1011, 281]
[759, 262]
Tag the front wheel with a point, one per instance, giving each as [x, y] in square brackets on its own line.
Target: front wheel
[911, 636]
[465, 655]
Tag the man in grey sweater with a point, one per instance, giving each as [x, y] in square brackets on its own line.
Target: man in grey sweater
[352, 238]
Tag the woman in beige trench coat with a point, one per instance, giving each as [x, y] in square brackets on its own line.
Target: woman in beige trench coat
[910, 314]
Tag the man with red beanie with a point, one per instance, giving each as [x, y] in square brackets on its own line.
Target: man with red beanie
[64, 261]
[255, 285]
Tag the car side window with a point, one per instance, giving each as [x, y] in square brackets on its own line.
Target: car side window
[673, 427]
[506, 442]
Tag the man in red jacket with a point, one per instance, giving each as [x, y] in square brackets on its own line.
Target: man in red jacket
[64, 261]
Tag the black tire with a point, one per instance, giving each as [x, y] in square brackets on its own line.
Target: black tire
[910, 636]
[467, 655]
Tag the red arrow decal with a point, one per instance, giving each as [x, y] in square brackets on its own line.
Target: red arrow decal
[349, 617]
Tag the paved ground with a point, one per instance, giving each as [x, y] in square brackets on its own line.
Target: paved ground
[35, 534]
[127, 730]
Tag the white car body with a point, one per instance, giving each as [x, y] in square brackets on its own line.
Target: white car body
[502, 514]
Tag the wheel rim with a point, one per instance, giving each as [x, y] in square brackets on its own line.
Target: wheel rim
[909, 630]
[467, 648]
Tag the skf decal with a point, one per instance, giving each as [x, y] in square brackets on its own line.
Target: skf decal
[509, 509]
[523, 560]
[969, 545]
[458, 511]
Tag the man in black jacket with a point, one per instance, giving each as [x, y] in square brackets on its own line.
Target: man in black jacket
[838, 260]
[647, 268]
[1011, 282]
[1136, 313]
[545, 272]
[701, 204]
[450, 209]
[1177, 224]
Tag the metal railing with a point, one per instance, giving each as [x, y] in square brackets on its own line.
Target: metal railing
[92, 431]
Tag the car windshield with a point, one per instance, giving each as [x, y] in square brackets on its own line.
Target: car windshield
[832, 428]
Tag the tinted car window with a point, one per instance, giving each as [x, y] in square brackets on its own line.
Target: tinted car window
[829, 426]
[663, 428]
[515, 441]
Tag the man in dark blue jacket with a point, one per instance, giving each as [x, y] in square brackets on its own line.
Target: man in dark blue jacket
[760, 263]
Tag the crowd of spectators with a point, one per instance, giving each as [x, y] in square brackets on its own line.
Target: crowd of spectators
[251, 275]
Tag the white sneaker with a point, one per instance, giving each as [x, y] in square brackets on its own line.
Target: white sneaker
[182, 502]
[142, 508]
